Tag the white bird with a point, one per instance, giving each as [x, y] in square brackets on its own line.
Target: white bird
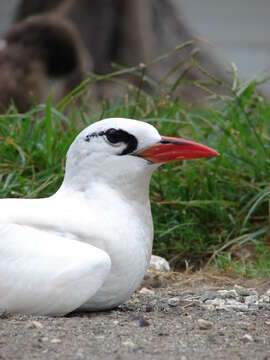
[88, 246]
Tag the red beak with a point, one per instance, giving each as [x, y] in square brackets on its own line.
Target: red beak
[171, 149]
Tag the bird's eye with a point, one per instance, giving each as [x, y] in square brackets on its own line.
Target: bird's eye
[113, 136]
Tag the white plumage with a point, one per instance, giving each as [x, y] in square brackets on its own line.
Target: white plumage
[89, 245]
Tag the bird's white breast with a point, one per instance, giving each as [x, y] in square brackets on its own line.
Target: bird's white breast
[100, 217]
[121, 228]
[125, 232]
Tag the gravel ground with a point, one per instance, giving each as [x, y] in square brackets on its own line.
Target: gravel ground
[174, 321]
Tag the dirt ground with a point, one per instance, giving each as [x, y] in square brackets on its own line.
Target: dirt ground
[151, 325]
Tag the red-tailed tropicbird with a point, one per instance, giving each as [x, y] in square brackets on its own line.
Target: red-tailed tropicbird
[88, 246]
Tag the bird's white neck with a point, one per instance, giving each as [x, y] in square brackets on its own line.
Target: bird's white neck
[131, 183]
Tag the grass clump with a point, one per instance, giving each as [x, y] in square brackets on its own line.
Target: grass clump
[205, 211]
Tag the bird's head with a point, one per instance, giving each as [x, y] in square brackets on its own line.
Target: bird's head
[120, 150]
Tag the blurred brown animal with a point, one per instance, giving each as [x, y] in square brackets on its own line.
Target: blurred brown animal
[36, 54]
[128, 32]
[117, 31]
[124, 32]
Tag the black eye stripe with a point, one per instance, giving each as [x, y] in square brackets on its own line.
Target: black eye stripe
[115, 136]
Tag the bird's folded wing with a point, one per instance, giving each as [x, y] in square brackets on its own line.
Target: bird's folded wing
[46, 274]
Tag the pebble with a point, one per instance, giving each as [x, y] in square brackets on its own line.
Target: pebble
[247, 338]
[158, 263]
[232, 302]
[236, 307]
[174, 301]
[226, 294]
[208, 295]
[100, 337]
[251, 299]
[146, 291]
[128, 343]
[205, 324]
[216, 302]
[187, 296]
[267, 293]
[36, 324]
[56, 341]
[208, 307]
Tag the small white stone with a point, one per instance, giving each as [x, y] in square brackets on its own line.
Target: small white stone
[232, 302]
[216, 302]
[146, 291]
[37, 324]
[128, 343]
[174, 301]
[158, 263]
[204, 324]
[56, 341]
[247, 337]
[238, 288]
[267, 292]
[225, 294]
[208, 307]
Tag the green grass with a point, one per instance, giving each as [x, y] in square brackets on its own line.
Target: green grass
[205, 211]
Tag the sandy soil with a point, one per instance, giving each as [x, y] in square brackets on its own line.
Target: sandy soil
[146, 327]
